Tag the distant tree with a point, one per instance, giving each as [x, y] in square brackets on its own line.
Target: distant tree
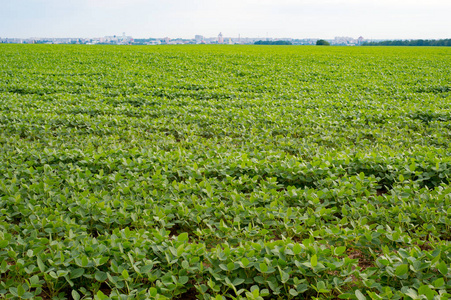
[443, 43]
[322, 43]
[273, 43]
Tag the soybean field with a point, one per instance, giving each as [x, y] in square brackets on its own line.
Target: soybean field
[225, 172]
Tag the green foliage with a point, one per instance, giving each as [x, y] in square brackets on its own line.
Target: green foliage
[273, 43]
[322, 43]
[440, 43]
[224, 173]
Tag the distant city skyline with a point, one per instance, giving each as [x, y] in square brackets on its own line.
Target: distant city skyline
[373, 19]
[198, 39]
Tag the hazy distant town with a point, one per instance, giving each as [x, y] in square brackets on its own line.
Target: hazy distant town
[198, 39]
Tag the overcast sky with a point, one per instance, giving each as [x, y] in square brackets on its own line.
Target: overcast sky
[372, 19]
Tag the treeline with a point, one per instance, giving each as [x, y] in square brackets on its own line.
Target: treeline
[143, 40]
[444, 42]
[273, 43]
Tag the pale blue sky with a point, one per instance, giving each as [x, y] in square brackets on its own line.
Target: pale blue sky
[392, 19]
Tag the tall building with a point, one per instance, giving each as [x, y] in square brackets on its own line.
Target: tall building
[360, 39]
[220, 38]
[198, 38]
